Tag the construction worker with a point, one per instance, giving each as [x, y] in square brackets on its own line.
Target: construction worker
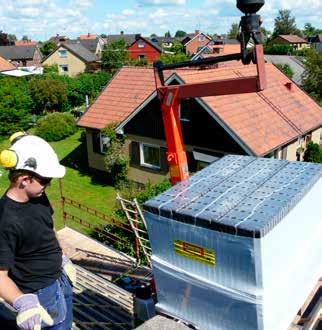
[35, 277]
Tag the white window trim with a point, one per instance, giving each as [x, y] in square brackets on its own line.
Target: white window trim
[102, 136]
[142, 162]
[141, 44]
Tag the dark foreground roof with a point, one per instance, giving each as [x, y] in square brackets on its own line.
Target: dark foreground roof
[17, 52]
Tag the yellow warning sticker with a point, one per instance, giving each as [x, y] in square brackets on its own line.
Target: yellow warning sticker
[195, 252]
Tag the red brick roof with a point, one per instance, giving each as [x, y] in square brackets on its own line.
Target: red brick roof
[263, 121]
[293, 39]
[5, 65]
[25, 43]
[87, 36]
[128, 89]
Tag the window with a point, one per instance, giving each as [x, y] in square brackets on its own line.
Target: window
[141, 57]
[64, 68]
[100, 143]
[150, 156]
[105, 142]
[62, 53]
[141, 45]
[201, 37]
[185, 110]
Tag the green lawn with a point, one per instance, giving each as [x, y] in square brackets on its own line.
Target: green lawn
[77, 184]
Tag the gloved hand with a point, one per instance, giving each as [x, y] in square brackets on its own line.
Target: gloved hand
[31, 313]
[69, 269]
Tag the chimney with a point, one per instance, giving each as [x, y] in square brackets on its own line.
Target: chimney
[122, 32]
[88, 34]
[289, 86]
[137, 36]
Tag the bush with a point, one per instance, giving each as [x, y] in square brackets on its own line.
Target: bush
[286, 69]
[56, 126]
[313, 153]
[277, 49]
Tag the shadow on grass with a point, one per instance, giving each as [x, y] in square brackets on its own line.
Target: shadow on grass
[77, 160]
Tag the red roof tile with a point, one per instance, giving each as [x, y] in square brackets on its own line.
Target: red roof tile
[263, 121]
[5, 65]
[25, 43]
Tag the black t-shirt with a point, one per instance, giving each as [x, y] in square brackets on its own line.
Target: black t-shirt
[28, 245]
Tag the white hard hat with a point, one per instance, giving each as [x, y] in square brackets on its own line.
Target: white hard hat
[34, 154]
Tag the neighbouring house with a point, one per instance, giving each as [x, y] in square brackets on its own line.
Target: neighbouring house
[277, 122]
[143, 49]
[316, 42]
[163, 42]
[218, 48]
[72, 59]
[294, 63]
[57, 39]
[92, 42]
[5, 65]
[290, 39]
[192, 45]
[21, 55]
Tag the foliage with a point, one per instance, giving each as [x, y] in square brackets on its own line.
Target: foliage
[180, 34]
[278, 49]
[177, 48]
[167, 34]
[48, 94]
[50, 69]
[142, 62]
[47, 47]
[103, 35]
[233, 32]
[15, 105]
[312, 76]
[284, 23]
[175, 58]
[12, 38]
[56, 126]
[265, 34]
[115, 55]
[4, 41]
[313, 153]
[286, 69]
[116, 162]
[25, 38]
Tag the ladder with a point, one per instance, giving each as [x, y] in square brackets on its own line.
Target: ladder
[136, 219]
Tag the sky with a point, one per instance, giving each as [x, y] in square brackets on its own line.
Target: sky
[41, 19]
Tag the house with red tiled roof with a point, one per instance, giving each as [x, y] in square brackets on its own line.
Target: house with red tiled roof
[290, 39]
[26, 43]
[276, 122]
[193, 44]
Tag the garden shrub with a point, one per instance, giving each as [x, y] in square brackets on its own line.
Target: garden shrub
[313, 153]
[56, 126]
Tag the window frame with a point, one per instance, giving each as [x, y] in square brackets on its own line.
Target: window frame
[61, 66]
[142, 160]
[108, 143]
[141, 44]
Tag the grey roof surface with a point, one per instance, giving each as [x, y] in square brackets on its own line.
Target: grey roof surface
[295, 64]
[241, 195]
[89, 44]
[128, 38]
[82, 52]
[161, 323]
[17, 52]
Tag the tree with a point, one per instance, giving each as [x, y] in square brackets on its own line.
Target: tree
[312, 76]
[284, 23]
[25, 38]
[180, 34]
[233, 32]
[47, 47]
[153, 35]
[167, 34]
[15, 105]
[115, 55]
[48, 94]
[4, 41]
[12, 38]
[265, 34]
[309, 30]
[103, 35]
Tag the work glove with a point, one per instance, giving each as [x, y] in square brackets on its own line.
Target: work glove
[69, 269]
[31, 313]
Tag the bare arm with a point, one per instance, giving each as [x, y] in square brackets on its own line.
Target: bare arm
[8, 289]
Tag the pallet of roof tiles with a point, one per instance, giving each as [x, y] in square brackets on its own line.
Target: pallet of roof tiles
[100, 304]
[238, 245]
